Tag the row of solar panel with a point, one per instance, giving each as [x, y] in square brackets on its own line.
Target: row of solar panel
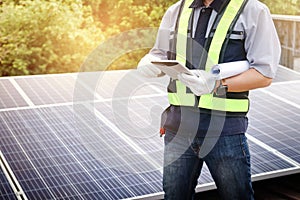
[53, 89]
[55, 156]
[91, 151]
[52, 166]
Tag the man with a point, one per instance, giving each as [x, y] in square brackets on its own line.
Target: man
[206, 120]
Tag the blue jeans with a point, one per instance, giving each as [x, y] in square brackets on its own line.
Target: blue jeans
[228, 163]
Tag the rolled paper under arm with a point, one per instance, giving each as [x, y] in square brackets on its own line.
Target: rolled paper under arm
[225, 70]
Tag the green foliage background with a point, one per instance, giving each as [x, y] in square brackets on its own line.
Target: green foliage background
[56, 36]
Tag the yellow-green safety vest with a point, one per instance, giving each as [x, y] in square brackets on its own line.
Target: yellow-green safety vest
[207, 101]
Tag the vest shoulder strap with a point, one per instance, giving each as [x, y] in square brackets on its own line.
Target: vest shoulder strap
[224, 29]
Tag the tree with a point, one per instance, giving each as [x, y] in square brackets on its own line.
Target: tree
[118, 17]
[45, 37]
[53, 36]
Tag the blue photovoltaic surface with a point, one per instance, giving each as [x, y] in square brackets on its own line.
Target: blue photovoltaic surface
[263, 161]
[139, 119]
[127, 84]
[62, 152]
[56, 165]
[50, 89]
[288, 91]
[10, 97]
[6, 191]
[276, 123]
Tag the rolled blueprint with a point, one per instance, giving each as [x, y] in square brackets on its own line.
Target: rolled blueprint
[225, 70]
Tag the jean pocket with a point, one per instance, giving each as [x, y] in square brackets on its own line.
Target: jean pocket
[244, 146]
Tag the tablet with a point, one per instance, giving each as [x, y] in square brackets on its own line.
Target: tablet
[171, 67]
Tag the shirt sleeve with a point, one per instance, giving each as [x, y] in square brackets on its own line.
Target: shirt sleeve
[262, 44]
[161, 46]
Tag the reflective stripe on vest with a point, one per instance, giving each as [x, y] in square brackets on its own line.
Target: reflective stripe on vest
[207, 101]
[182, 30]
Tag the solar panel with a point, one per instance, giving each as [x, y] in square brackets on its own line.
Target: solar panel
[59, 161]
[56, 145]
[128, 83]
[109, 147]
[137, 119]
[10, 97]
[277, 126]
[50, 89]
[264, 161]
[286, 74]
[287, 92]
[6, 191]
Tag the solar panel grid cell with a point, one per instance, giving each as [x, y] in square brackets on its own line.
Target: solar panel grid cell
[57, 162]
[79, 158]
[111, 144]
[139, 130]
[263, 161]
[48, 89]
[10, 97]
[126, 83]
[289, 92]
[6, 192]
[276, 125]
[59, 158]
[205, 176]
[26, 174]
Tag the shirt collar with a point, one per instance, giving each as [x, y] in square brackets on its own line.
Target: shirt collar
[216, 4]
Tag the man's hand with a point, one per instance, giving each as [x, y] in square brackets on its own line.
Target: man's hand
[146, 68]
[200, 83]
